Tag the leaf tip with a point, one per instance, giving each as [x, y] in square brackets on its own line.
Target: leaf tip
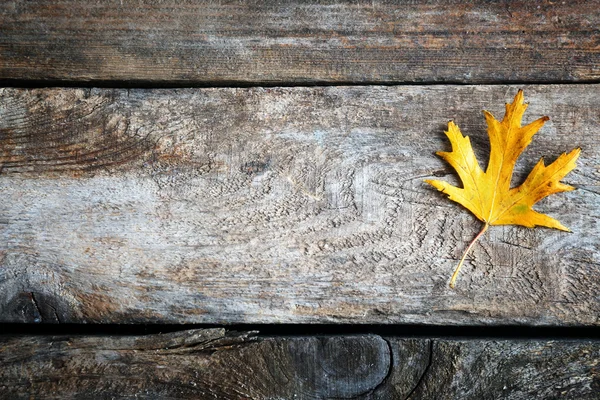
[519, 95]
[432, 182]
[563, 228]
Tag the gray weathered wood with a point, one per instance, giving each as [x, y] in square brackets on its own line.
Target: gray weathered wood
[282, 205]
[191, 42]
[194, 364]
[213, 364]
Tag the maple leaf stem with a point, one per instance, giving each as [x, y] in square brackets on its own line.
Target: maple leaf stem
[462, 260]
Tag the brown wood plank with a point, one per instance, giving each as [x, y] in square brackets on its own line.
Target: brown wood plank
[282, 205]
[187, 42]
[213, 364]
[194, 364]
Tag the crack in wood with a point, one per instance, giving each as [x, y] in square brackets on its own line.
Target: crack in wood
[384, 381]
[37, 308]
[421, 380]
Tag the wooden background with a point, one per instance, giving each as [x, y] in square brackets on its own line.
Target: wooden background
[186, 162]
[187, 42]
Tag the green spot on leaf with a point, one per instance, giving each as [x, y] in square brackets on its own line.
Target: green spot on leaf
[520, 209]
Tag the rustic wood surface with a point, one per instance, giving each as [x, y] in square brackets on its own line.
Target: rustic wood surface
[282, 205]
[191, 42]
[214, 364]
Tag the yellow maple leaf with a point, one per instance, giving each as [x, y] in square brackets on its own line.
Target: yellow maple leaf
[488, 194]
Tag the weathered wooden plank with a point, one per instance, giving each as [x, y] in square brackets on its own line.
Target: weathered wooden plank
[520, 369]
[197, 364]
[190, 42]
[213, 364]
[282, 205]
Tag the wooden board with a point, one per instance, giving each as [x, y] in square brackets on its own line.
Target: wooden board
[185, 42]
[298, 205]
[213, 364]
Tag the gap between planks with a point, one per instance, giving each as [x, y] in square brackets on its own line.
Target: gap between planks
[147, 84]
[507, 332]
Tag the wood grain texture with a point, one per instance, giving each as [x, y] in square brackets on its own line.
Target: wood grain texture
[187, 42]
[214, 364]
[196, 365]
[282, 205]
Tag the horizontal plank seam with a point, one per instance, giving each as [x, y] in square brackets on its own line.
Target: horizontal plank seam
[39, 84]
[507, 332]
